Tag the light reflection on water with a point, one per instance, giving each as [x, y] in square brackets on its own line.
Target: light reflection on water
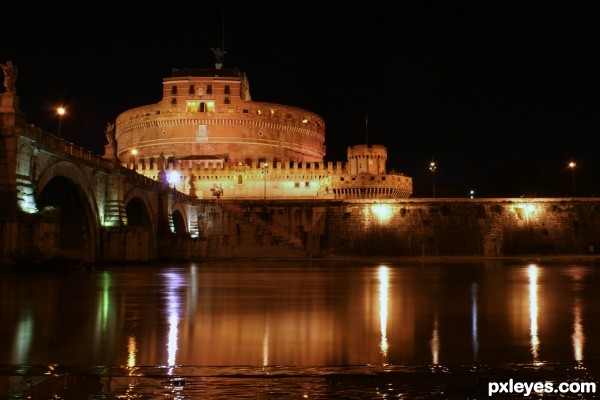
[279, 329]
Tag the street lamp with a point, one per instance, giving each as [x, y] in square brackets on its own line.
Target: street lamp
[265, 166]
[60, 111]
[432, 168]
[134, 153]
[572, 165]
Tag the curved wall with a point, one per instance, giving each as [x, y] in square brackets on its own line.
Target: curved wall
[212, 117]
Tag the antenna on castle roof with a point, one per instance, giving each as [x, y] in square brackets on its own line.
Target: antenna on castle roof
[367, 128]
[223, 31]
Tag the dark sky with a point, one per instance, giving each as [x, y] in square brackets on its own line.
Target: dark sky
[484, 88]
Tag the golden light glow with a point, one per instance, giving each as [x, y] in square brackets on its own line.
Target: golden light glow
[61, 111]
[532, 272]
[435, 341]
[384, 284]
[572, 164]
[134, 152]
[131, 350]
[578, 336]
[383, 212]
[527, 210]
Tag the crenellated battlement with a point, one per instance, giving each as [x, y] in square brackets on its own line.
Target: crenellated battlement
[207, 137]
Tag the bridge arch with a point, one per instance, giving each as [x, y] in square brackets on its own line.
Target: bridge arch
[180, 218]
[141, 216]
[63, 187]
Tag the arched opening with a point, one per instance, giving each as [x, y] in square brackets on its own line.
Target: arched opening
[140, 234]
[137, 214]
[178, 222]
[76, 236]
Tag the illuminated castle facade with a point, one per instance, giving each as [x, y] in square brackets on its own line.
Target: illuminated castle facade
[207, 138]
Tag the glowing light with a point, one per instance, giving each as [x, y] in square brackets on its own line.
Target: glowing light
[27, 203]
[134, 152]
[172, 177]
[435, 341]
[475, 341]
[384, 283]
[527, 210]
[23, 337]
[266, 344]
[60, 111]
[383, 212]
[578, 336]
[174, 282]
[572, 165]
[131, 350]
[532, 272]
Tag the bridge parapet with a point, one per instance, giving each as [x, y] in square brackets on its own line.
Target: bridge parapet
[60, 146]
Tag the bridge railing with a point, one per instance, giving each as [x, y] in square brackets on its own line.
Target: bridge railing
[61, 146]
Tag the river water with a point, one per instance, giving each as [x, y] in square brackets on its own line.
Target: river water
[413, 329]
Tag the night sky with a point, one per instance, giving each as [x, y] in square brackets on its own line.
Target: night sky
[502, 95]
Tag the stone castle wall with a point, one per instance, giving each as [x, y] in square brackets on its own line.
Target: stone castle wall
[404, 228]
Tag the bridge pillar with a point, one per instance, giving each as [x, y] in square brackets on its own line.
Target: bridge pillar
[114, 206]
[11, 119]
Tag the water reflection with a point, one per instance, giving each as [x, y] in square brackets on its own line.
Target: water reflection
[578, 336]
[435, 341]
[131, 350]
[384, 285]
[23, 337]
[297, 315]
[532, 272]
[474, 339]
[173, 281]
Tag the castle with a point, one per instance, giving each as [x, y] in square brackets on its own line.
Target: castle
[208, 139]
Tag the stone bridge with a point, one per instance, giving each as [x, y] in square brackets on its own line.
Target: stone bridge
[59, 201]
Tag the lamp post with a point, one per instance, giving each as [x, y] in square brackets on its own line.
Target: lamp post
[432, 168]
[572, 165]
[60, 111]
[265, 166]
[134, 153]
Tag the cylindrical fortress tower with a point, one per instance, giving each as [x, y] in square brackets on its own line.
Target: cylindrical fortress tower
[365, 159]
[207, 115]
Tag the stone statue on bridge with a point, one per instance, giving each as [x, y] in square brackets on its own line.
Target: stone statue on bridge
[10, 76]
[110, 133]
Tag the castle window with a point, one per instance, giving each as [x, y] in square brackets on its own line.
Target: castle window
[227, 101]
[258, 112]
[306, 184]
[342, 179]
[192, 90]
[239, 179]
[227, 91]
[208, 89]
[245, 111]
[193, 106]
[173, 100]
[272, 111]
[173, 89]
[297, 184]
